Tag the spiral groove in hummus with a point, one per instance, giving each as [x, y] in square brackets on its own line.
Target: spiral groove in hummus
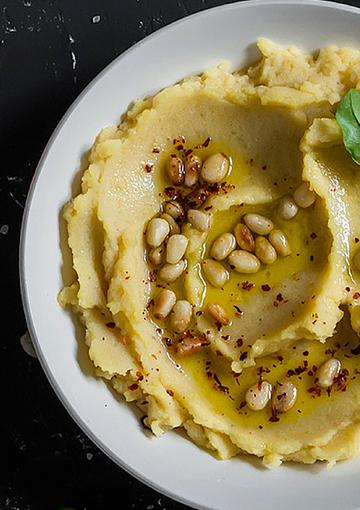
[275, 124]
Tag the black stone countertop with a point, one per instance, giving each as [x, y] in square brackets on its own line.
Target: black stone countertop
[49, 51]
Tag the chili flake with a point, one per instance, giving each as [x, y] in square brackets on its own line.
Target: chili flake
[247, 285]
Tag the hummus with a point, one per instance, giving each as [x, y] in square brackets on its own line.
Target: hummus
[274, 124]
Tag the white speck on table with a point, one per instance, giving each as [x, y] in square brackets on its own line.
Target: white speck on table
[27, 345]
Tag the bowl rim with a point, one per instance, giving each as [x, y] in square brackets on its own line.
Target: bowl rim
[331, 4]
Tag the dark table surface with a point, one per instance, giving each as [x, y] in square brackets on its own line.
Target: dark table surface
[49, 51]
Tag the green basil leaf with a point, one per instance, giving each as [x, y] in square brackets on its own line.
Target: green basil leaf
[347, 120]
[355, 103]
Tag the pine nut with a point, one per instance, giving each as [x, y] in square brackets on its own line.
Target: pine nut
[192, 170]
[215, 168]
[265, 250]
[157, 255]
[259, 224]
[199, 220]
[284, 397]
[327, 372]
[156, 231]
[303, 196]
[258, 396]
[189, 345]
[356, 261]
[217, 313]
[180, 316]
[164, 303]
[287, 208]
[223, 246]
[175, 170]
[244, 237]
[244, 262]
[280, 242]
[174, 227]
[175, 248]
[171, 272]
[215, 273]
[174, 209]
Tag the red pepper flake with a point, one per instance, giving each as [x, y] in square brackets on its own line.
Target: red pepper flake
[173, 193]
[149, 167]
[188, 152]
[152, 276]
[306, 353]
[262, 370]
[239, 312]
[110, 325]
[180, 147]
[260, 427]
[207, 141]
[218, 353]
[139, 376]
[264, 167]
[220, 386]
[341, 380]
[265, 287]
[170, 392]
[247, 285]
[207, 208]
[356, 239]
[310, 373]
[225, 337]
[156, 150]
[290, 373]
[311, 258]
[280, 358]
[179, 139]
[243, 356]
[313, 235]
[242, 404]
[239, 342]
[276, 304]
[316, 390]
[279, 298]
[356, 295]
[273, 418]
[133, 387]
[198, 313]
[198, 196]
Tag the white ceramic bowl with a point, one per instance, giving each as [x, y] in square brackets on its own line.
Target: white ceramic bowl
[172, 464]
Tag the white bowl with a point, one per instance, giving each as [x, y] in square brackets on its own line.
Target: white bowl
[172, 464]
